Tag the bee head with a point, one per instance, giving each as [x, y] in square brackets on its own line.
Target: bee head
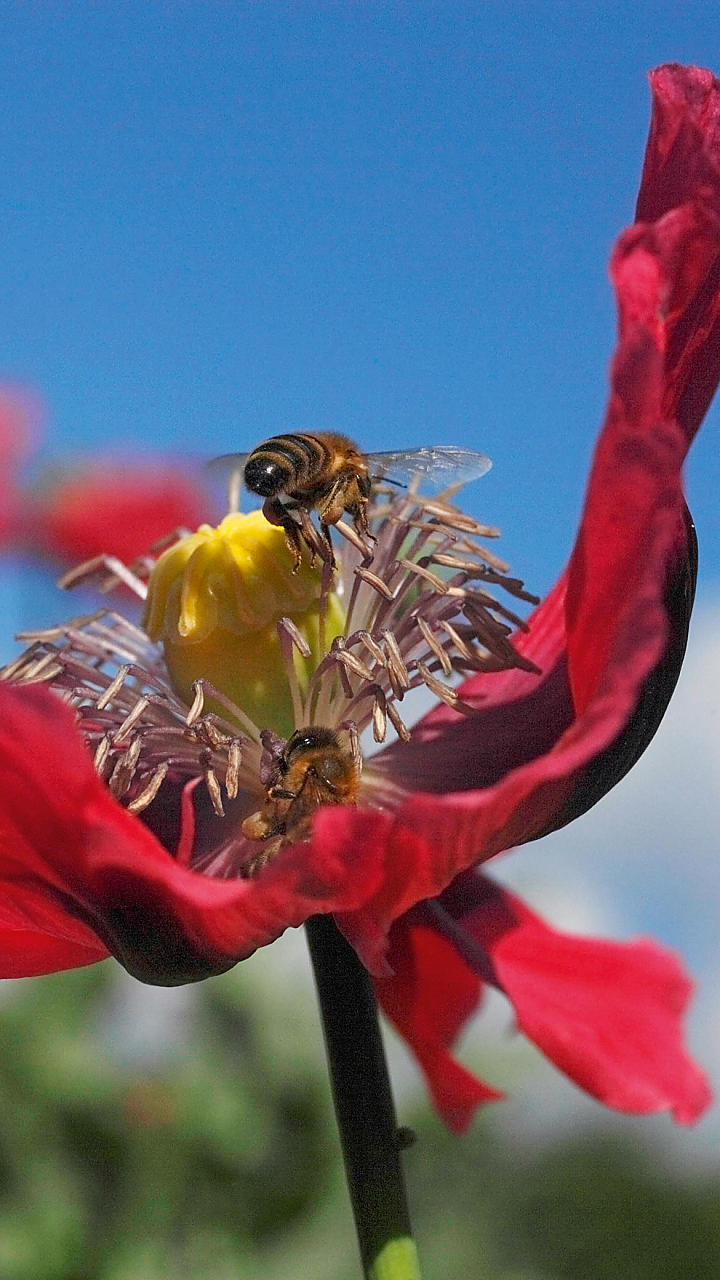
[266, 475]
[308, 739]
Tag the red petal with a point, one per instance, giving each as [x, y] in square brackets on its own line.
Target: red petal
[524, 763]
[429, 997]
[75, 865]
[27, 953]
[608, 1014]
[115, 510]
[682, 165]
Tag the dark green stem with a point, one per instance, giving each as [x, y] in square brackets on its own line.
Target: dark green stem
[363, 1104]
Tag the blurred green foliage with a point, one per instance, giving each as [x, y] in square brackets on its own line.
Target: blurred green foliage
[218, 1159]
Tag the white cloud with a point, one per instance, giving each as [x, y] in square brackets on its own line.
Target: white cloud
[642, 861]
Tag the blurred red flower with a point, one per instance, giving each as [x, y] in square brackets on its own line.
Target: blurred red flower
[83, 878]
[104, 506]
[110, 507]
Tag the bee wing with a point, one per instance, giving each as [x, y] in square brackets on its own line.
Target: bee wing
[227, 464]
[434, 466]
[229, 468]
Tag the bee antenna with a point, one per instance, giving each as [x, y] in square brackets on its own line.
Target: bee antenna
[387, 480]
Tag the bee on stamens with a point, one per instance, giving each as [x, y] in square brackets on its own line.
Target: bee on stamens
[316, 766]
[325, 472]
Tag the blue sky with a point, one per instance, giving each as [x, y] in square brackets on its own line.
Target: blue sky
[225, 220]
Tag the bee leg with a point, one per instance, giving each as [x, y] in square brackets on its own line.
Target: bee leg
[280, 793]
[277, 513]
[255, 863]
[354, 498]
[315, 544]
[329, 554]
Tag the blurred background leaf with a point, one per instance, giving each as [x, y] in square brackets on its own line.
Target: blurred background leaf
[206, 1148]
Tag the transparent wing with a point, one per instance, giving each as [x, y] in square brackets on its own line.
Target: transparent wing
[229, 469]
[227, 464]
[434, 466]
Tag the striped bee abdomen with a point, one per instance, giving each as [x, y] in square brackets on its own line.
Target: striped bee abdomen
[285, 463]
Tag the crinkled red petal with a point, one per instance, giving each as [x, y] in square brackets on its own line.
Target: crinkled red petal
[682, 165]
[429, 997]
[114, 509]
[76, 866]
[519, 766]
[608, 1014]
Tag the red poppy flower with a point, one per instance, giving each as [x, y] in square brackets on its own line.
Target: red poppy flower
[512, 755]
[109, 507]
[16, 421]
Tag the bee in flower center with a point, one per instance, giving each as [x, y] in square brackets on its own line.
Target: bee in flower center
[300, 473]
[326, 472]
[316, 766]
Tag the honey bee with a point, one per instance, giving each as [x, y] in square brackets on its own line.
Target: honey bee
[316, 766]
[326, 472]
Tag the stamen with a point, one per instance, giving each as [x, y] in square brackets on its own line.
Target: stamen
[377, 583]
[54, 633]
[233, 768]
[417, 614]
[372, 646]
[298, 639]
[285, 629]
[444, 691]
[397, 670]
[338, 649]
[131, 720]
[116, 572]
[397, 722]
[353, 537]
[113, 688]
[457, 640]
[213, 787]
[124, 771]
[149, 792]
[101, 755]
[355, 664]
[434, 644]
[379, 715]
[198, 702]
[423, 572]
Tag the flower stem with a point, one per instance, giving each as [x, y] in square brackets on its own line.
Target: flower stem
[363, 1105]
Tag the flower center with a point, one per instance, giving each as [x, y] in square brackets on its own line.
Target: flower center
[228, 603]
[268, 675]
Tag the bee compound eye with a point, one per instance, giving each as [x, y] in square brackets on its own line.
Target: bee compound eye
[301, 741]
[265, 475]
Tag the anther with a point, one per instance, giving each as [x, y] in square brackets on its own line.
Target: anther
[422, 572]
[434, 644]
[213, 787]
[101, 755]
[397, 722]
[233, 769]
[198, 703]
[113, 688]
[397, 670]
[379, 716]
[372, 579]
[131, 719]
[149, 792]
[356, 665]
[372, 647]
